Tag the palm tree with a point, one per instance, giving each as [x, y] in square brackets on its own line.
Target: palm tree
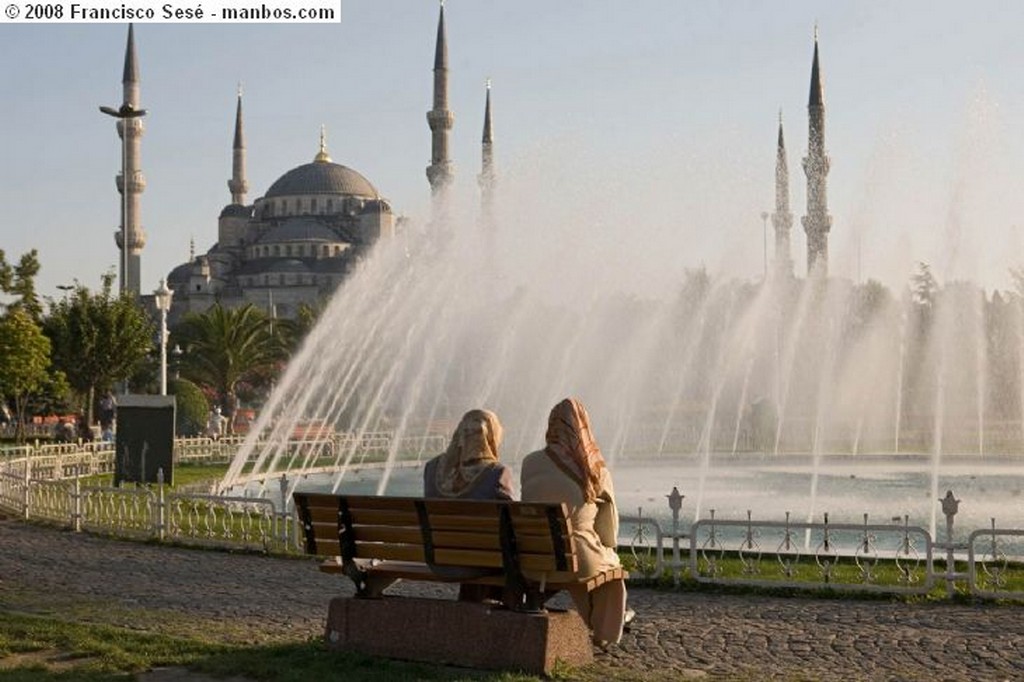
[227, 346]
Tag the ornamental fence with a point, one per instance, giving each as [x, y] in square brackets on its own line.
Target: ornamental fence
[894, 558]
[48, 483]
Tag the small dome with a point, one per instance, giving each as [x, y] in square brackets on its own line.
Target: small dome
[180, 276]
[236, 211]
[321, 177]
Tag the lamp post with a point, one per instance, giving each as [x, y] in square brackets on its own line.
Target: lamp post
[162, 298]
[125, 112]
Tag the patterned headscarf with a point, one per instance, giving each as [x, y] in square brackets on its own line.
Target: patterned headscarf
[571, 444]
[472, 451]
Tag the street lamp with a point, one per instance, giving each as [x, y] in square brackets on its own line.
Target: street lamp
[126, 111]
[162, 298]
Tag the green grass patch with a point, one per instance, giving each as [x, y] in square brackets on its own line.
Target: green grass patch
[49, 648]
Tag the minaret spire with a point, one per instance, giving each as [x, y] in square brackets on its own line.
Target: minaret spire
[238, 185]
[817, 223]
[487, 174]
[131, 183]
[322, 156]
[782, 219]
[440, 118]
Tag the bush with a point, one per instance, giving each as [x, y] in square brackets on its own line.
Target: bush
[192, 408]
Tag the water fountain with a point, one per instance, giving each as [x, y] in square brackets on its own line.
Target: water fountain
[796, 395]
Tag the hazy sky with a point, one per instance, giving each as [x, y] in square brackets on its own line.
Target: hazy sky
[669, 108]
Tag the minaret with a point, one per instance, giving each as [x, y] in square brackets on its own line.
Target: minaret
[817, 223]
[238, 185]
[440, 118]
[782, 219]
[130, 130]
[487, 175]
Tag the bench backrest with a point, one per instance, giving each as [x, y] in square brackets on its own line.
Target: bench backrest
[513, 536]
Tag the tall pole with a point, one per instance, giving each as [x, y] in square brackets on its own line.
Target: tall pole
[163, 352]
[162, 299]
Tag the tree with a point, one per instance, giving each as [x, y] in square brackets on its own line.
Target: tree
[24, 362]
[19, 280]
[98, 339]
[227, 346]
[191, 410]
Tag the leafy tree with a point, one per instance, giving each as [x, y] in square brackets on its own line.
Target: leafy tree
[24, 361]
[98, 339]
[227, 346]
[191, 409]
[19, 280]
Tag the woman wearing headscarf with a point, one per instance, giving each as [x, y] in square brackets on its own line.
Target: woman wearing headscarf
[571, 469]
[469, 469]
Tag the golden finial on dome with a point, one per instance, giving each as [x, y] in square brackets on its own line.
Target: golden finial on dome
[322, 156]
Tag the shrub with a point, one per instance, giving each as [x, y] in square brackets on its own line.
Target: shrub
[192, 407]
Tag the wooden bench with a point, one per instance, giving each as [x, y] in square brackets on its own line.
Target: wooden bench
[524, 547]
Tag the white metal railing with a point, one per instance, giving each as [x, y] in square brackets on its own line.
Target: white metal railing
[894, 558]
[49, 487]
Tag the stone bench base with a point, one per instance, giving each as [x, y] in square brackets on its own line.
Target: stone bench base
[458, 633]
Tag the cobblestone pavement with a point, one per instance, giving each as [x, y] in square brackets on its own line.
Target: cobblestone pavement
[253, 598]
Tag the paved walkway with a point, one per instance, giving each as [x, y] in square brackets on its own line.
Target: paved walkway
[251, 598]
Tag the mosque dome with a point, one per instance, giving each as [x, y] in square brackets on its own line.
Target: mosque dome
[180, 276]
[321, 177]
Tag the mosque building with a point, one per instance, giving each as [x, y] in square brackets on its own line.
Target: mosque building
[295, 244]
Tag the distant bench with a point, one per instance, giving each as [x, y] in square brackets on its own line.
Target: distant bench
[524, 547]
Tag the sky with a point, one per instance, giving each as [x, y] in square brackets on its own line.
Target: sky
[665, 107]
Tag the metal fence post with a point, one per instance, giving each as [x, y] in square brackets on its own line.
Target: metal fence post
[675, 503]
[160, 516]
[283, 516]
[76, 513]
[950, 506]
[25, 492]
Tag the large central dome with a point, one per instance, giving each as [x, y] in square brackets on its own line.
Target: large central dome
[322, 177]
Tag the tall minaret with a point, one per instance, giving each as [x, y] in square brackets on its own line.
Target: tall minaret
[238, 185]
[487, 175]
[782, 219]
[130, 130]
[440, 118]
[817, 223]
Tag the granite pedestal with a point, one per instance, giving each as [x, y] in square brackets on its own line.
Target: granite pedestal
[457, 633]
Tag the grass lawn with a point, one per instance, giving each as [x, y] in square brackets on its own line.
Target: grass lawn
[41, 648]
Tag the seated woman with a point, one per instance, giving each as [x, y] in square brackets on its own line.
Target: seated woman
[571, 469]
[469, 469]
